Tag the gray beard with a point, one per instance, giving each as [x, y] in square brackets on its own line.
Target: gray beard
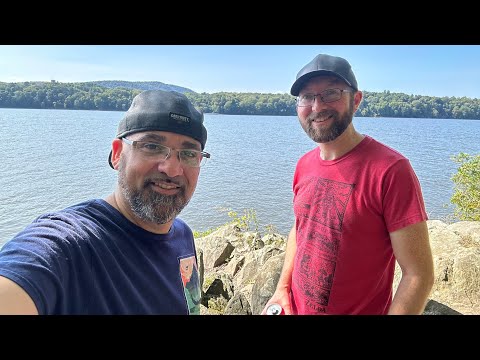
[149, 205]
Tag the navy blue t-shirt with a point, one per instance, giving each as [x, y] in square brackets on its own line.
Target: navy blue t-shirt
[90, 259]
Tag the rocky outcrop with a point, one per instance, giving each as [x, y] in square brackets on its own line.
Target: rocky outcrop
[456, 256]
[239, 269]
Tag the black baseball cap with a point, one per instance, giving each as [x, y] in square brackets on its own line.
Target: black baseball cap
[324, 64]
[162, 111]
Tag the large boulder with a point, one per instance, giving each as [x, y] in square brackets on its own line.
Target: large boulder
[240, 269]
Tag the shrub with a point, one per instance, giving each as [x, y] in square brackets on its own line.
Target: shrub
[466, 196]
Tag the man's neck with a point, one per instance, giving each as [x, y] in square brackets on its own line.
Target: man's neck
[341, 145]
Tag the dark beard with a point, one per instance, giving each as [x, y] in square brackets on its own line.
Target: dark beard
[149, 205]
[339, 125]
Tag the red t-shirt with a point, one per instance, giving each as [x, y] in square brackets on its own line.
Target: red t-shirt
[344, 212]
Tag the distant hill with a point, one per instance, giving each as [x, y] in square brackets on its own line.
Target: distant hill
[140, 85]
[115, 95]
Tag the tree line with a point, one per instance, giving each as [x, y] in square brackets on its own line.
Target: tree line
[107, 96]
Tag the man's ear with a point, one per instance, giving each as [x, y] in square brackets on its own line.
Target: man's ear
[116, 151]
[357, 100]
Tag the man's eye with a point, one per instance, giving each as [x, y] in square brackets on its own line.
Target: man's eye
[329, 92]
[307, 97]
[189, 154]
[153, 147]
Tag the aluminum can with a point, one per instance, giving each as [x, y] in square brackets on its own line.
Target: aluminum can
[275, 309]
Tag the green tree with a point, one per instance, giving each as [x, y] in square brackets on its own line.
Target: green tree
[466, 194]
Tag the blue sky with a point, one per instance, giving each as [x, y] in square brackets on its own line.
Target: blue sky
[433, 70]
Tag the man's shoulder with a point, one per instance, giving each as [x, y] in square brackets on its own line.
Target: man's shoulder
[309, 154]
[182, 225]
[72, 217]
[383, 150]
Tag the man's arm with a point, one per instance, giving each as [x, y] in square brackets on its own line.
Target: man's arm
[282, 292]
[14, 300]
[411, 248]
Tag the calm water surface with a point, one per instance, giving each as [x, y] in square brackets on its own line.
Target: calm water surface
[51, 159]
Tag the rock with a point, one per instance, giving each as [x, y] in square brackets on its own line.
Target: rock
[240, 269]
[435, 308]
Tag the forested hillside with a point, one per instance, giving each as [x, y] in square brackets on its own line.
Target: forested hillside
[140, 85]
[117, 96]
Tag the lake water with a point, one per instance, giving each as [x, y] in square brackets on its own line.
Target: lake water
[51, 159]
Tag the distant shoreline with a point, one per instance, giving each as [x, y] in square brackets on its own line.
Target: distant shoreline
[118, 95]
[213, 113]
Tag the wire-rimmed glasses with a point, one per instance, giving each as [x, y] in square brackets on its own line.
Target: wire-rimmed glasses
[327, 96]
[152, 150]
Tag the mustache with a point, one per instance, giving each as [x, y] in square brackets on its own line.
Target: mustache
[322, 114]
[164, 178]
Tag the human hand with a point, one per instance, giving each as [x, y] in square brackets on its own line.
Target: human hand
[281, 298]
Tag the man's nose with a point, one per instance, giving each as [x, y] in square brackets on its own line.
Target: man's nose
[171, 165]
[318, 103]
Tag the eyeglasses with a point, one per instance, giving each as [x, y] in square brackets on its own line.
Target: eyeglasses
[327, 96]
[151, 150]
